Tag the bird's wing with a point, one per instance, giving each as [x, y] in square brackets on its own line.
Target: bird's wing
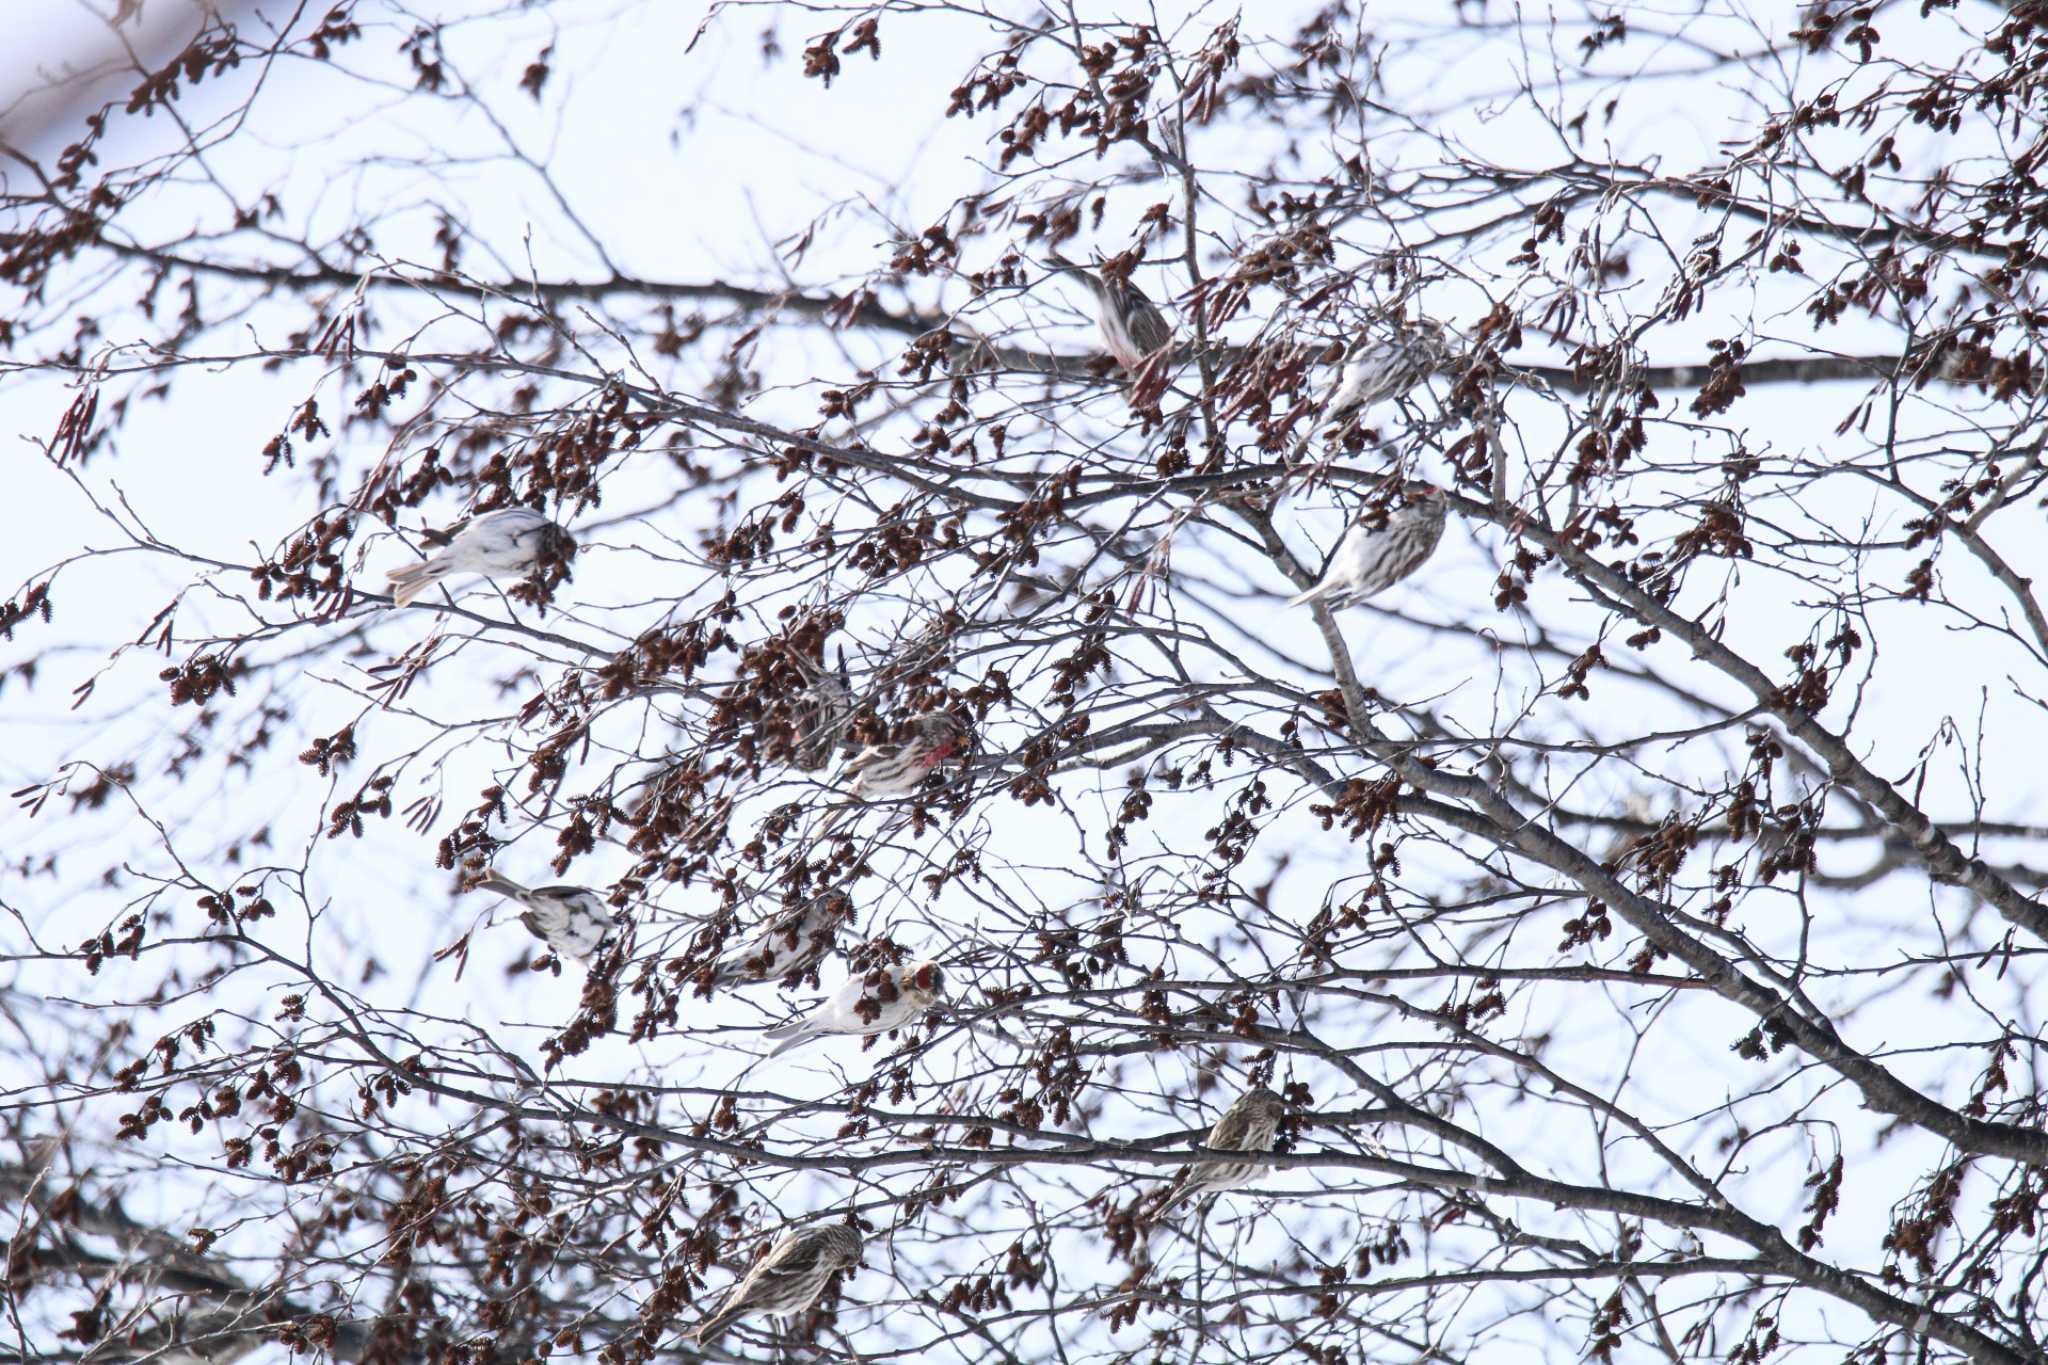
[838, 1013]
[447, 534]
[1232, 1129]
[795, 1256]
[822, 1019]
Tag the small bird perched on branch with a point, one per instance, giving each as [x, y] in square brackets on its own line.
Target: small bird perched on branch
[793, 940]
[899, 997]
[1133, 328]
[898, 768]
[1252, 1124]
[510, 540]
[789, 1278]
[822, 714]
[573, 921]
[1383, 366]
[1370, 560]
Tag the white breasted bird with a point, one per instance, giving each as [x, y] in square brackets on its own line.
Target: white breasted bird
[1370, 559]
[898, 768]
[1382, 365]
[791, 941]
[573, 921]
[874, 1002]
[509, 541]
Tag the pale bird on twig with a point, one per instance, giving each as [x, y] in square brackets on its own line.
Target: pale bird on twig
[1380, 366]
[898, 768]
[793, 940]
[510, 540]
[898, 996]
[573, 921]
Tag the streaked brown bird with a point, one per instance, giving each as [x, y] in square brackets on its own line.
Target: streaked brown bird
[510, 540]
[1133, 328]
[791, 941]
[573, 921]
[898, 768]
[1383, 365]
[822, 714]
[789, 1278]
[1252, 1124]
[1370, 560]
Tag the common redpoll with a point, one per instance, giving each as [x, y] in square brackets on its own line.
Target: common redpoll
[792, 941]
[900, 768]
[573, 921]
[1369, 561]
[789, 1278]
[510, 540]
[822, 715]
[1133, 328]
[1380, 367]
[1250, 1125]
[897, 996]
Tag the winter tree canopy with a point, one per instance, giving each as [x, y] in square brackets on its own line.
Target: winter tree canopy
[1026, 681]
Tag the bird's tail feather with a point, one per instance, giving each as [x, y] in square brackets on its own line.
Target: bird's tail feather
[714, 1326]
[409, 582]
[1315, 594]
[833, 815]
[494, 880]
[792, 1035]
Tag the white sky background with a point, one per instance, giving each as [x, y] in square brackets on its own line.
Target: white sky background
[694, 168]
